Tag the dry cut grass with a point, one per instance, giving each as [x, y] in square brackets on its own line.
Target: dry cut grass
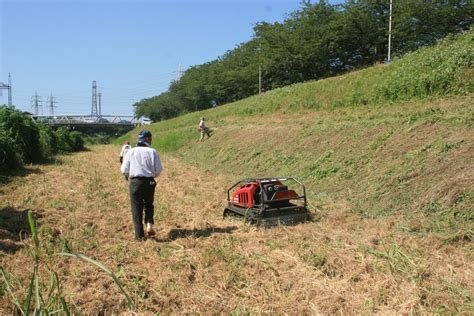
[200, 263]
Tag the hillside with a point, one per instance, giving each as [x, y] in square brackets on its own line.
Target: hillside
[387, 161]
[387, 139]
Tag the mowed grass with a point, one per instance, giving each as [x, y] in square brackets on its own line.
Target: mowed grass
[200, 263]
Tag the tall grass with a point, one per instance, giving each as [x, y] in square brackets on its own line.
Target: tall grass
[440, 70]
[48, 298]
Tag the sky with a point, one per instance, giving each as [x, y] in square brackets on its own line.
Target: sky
[133, 49]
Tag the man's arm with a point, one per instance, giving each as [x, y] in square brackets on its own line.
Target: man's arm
[157, 165]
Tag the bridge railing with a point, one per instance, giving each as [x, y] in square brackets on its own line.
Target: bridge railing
[87, 119]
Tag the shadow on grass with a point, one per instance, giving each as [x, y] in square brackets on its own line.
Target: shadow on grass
[7, 176]
[14, 228]
[196, 233]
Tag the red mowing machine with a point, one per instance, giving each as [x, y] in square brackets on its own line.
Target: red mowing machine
[268, 201]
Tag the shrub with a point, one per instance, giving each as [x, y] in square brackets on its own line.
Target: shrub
[76, 141]
[69, 141]
[64, 140]
[23, 132]
[9, 159]
[48, 141]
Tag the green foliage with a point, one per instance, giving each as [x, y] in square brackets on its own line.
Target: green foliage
[99, 138]
[23, 133]
[77, 142]
[64, 141]
[23, 141]
[69, 141]
[9, 158]
[437, 70]
[317, 41]
[48, 142]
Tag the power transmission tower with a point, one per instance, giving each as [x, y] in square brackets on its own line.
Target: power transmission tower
[36, 103]
[9, 88]
[100, 103]
[51, 101]
[94, 99]
[179, 73]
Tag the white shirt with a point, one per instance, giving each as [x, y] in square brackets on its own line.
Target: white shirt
[141, 161]
[125, 149]
[202, 125]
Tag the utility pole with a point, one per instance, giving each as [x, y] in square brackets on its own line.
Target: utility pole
[36, 103]
[389, 33]
[51, 101]
[100, 104]
[9, 88]
[259, 69]
[94, 99]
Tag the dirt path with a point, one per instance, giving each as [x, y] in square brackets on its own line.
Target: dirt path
[201, 263]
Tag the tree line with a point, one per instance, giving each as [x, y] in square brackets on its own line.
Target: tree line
[316, 41]
[22, 141]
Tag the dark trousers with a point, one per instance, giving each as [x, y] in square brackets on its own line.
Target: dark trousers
[142, 194]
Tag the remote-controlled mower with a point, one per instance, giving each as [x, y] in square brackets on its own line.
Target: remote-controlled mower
[267, 201]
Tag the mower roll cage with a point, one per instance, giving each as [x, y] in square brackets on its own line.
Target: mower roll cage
[262, 196]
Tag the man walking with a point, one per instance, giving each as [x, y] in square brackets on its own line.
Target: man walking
[141, 165]
[125, 148]
[203, 129]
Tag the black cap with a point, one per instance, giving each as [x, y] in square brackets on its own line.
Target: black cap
[143, 135]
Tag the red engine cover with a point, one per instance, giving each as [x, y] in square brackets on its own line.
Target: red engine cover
[243, 196]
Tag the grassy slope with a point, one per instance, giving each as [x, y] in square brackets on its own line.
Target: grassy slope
[387, 139]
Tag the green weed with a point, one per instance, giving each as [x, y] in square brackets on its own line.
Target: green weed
[47, 298]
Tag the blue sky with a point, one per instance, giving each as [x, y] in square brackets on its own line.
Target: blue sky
[132, 48]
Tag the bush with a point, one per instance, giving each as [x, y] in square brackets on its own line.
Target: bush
[68, 141]
[9, 159]
[76, 141]
[99, 138]
[64, 140]
[23, 132]
[48, 142]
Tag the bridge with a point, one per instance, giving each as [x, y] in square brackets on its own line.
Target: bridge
[73, 121]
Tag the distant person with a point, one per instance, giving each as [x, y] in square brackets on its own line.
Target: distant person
[125, 148]
[141, 165]
[203, 129]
